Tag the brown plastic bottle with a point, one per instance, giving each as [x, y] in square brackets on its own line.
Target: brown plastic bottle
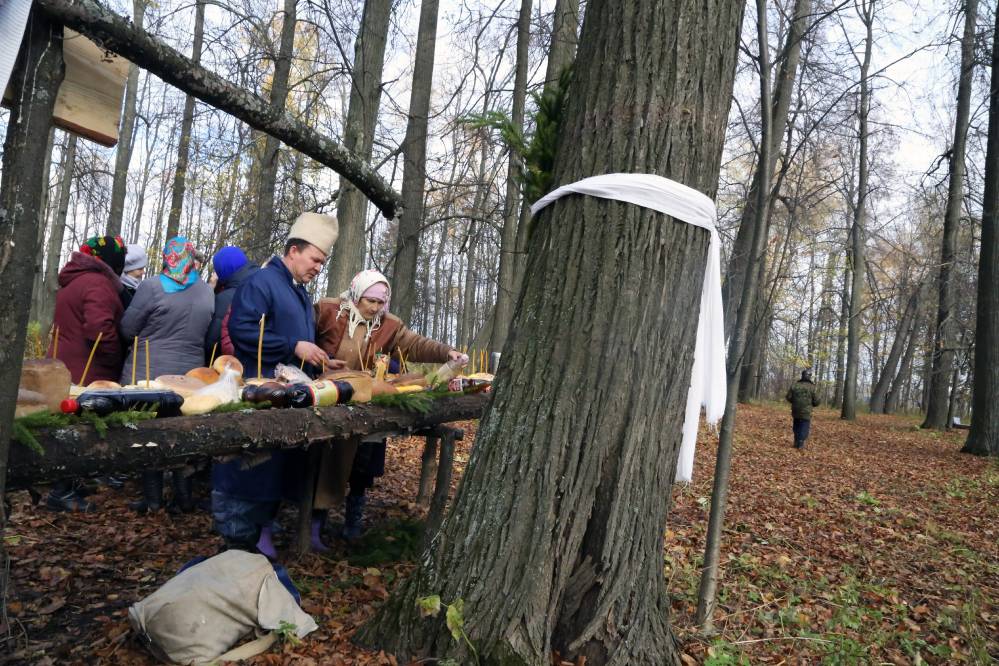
[272, 392]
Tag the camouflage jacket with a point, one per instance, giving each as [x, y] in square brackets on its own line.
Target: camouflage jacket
[803, 397]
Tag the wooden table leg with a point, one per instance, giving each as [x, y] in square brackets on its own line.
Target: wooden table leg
[428, 469]
[448, 436]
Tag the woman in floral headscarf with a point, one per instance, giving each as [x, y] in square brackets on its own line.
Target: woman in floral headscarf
[172, 313]
[354, 326]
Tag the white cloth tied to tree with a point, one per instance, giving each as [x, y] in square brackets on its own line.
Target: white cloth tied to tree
[13, 18]
[685, 204]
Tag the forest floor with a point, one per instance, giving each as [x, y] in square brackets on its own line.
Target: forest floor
[879, 543]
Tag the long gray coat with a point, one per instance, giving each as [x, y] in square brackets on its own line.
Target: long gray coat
[175, 325]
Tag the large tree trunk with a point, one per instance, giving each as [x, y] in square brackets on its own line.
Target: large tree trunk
[947, 312]
[123, 153]
[414, 174]
[512, 203]
[33, 83]
[359, 136]
[789, 57]
[115, 33]
[858, 233]
[983, 439]
[263, 225]
[184, 143]
[555, 537]
[51, 282]
[880, 393]
[565, 35]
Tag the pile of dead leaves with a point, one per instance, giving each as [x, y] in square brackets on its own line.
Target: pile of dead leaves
[877, 543]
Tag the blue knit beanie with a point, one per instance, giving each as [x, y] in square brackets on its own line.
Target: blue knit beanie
[227, 261]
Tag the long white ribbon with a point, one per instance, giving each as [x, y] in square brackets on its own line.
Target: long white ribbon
[13, 17]
[707, 378]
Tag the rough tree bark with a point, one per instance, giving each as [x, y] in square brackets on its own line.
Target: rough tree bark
[54, 253]
[263, 223]
[880, 393]
[707, 595]
[945, 341]
[118, 35]
[187, 121]
[512, 203]
[359, 136]
[414, 151]
[858, 232]
[789, 58]
[34, 84]
[983, 439]
[555, 538]
[123, 153]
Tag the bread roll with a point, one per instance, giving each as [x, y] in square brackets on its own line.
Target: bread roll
[103, 384]
[180, 384]
[29, 402]
[199, 404]
[206, 375]
[224, 361]
[409, 379]
[47, 376]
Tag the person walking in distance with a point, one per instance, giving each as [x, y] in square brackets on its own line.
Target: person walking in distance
[803, 397]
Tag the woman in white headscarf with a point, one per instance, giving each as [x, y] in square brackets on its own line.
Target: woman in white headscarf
[357, 326]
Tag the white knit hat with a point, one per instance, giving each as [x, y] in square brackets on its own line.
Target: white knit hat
[316, 228]
[135, 257]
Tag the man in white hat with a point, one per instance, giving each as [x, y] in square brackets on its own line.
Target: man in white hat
[244, 500]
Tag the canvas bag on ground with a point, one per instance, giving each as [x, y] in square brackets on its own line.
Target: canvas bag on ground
[204, 610]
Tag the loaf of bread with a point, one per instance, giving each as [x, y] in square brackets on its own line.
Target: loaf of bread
[48, 376]
[29, 402]
[180, 384]
[206, 375]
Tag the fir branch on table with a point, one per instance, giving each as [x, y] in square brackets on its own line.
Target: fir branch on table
[240, 407]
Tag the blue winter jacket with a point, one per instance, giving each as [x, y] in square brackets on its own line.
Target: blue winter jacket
[290, 318]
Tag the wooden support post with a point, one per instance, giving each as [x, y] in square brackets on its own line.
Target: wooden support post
[448, 436]
[309, 478]
[428, 469]
[35, 84]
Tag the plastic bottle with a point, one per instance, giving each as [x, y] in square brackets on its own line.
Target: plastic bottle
[319, 393]
[105, 401]
[446, 371]
[272, 392]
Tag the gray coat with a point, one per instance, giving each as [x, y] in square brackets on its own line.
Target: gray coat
[175, 325]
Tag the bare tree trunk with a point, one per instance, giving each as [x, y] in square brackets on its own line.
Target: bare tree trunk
[51, 281]
[359, 135]
[565, 35]
[184, 143]
[904, 376]
[41, 226]
[858, 233]
[415, 155]
[789, 58]
[556, 533]
[512, 204]
[123, 153]
[880, 392]
[261, 245]
[707, 595]
[983, 439]
[33, 84]
[947, 312]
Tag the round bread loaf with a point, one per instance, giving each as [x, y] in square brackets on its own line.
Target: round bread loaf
[224, 361]
[206, 375]
[103, 384]
[180, 384]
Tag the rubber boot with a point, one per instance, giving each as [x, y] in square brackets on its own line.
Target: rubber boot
[353, 517]
[318, 522]
[152, 493]
[182, 500]
[265, 544]
[62, 497]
